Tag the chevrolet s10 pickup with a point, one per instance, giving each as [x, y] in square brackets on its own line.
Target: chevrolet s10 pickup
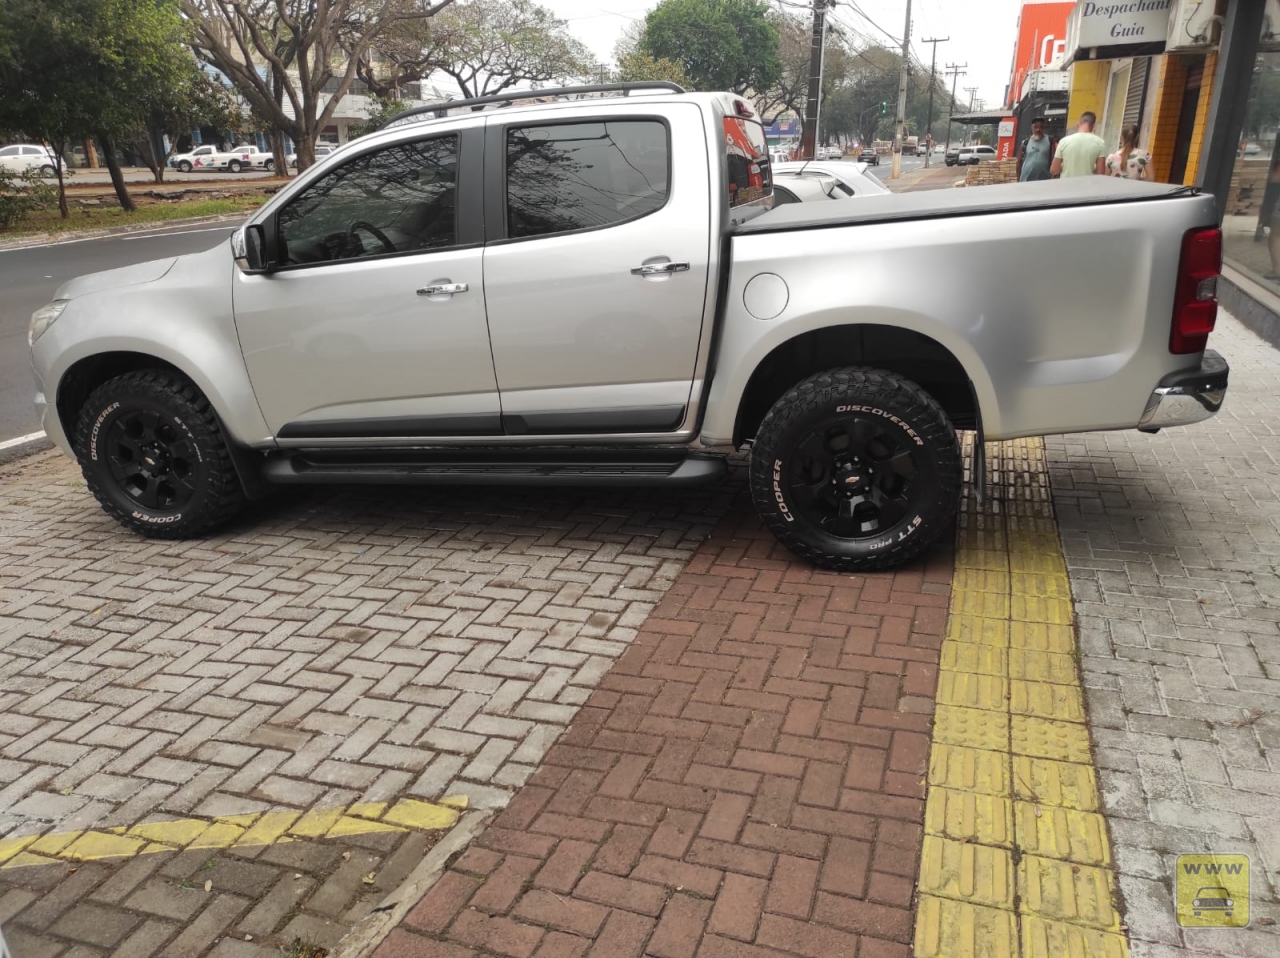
[590, 286]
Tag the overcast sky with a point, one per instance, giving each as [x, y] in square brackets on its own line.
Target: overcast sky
[982, 32]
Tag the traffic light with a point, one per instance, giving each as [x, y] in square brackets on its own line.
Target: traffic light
[884, 107]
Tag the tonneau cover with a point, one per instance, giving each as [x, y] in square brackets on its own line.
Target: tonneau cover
[969, 201]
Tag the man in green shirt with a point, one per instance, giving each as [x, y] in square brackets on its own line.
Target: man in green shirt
[1082, 153]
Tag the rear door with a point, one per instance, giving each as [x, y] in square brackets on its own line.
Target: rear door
[597, 281]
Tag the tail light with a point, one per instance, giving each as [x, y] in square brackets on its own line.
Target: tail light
[1195, 304]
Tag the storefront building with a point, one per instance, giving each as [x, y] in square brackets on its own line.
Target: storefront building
[1201, 81]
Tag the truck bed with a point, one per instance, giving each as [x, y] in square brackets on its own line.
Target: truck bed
[970, 201]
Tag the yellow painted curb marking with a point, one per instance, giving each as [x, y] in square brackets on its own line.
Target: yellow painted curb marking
[240, 831]
[1011, 775]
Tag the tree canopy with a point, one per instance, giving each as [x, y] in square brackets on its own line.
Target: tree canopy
[487, 46]
[718, 44]
[303, 52]
[75, 69]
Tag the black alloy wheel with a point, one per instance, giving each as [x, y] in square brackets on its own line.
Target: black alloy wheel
[150, 460]
[853, 475]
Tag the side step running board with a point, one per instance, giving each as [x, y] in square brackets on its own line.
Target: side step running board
[688, 470]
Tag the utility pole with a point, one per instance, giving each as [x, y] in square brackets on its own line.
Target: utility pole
[813, 102]
[933, 81]
[968, 128]
[955, 71]
[901, 120]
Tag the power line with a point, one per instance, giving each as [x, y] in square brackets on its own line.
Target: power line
[857, 9]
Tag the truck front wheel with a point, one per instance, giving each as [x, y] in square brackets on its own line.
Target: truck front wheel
[154, 455]
[856, 469]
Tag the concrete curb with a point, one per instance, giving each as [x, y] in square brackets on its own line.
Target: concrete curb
[370, 931]
[12, 454]
[71, 236]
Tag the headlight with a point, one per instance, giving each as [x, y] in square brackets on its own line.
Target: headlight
[43, 318]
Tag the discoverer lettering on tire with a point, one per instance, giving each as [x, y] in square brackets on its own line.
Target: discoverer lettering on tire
[856, 469]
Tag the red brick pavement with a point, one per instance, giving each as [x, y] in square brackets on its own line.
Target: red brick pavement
[746, 782]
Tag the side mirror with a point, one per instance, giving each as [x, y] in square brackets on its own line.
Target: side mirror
[249, 245]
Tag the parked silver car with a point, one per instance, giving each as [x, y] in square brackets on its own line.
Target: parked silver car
[597, 291]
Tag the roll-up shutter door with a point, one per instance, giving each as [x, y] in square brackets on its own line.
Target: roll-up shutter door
[1137, 91]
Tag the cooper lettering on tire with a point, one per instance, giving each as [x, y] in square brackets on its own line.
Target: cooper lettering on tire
[153, 454]
[856, 469]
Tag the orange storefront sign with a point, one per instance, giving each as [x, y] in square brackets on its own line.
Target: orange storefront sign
[1042, 38]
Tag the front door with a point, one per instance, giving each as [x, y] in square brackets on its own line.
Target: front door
[597, 283]
[373, 327]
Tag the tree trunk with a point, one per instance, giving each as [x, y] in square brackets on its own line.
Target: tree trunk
[306, 148]
[117, 176]
[90, 153]
[155, 142]
[59, 147]
[276, 140]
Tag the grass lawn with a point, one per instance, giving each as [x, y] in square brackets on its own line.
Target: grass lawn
[48, 221]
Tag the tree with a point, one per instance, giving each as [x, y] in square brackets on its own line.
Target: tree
[719, 44]
[80, 68]
[489, 45]
[275, 51]
[190, 99]
[641, 66]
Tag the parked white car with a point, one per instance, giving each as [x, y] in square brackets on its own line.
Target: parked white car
[853, 178]
[233, 160]
[805, 189]
[322, 150]
[20, 157]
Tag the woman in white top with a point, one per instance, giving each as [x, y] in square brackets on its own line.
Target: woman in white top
[1129, 162]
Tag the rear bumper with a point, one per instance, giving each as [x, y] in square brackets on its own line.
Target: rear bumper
[1191, 395]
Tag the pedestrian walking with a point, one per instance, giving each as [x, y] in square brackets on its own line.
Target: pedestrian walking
[1083, 153]
[1129, 162]
[1035, 156]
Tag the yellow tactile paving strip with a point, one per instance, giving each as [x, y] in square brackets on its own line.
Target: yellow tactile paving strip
[1016, 858]
[239, 831]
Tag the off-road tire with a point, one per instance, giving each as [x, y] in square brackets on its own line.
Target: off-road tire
[185, 412]
[903, 412]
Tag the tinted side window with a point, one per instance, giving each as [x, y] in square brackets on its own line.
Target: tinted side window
[573, 176]
[395, 200]
[781, 196]
[10, 151]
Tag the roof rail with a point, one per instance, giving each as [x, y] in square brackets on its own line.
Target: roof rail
[510, 96]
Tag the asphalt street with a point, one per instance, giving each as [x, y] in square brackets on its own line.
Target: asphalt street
[908, 163]
[29, 276]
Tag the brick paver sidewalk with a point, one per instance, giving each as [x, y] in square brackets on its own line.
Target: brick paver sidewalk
[1173, 550]
[227, 699]
[748, 779]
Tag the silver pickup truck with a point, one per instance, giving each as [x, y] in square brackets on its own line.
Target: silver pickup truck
[594, 289]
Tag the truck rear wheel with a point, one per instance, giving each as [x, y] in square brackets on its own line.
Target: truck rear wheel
[154, 455]
[856, 469]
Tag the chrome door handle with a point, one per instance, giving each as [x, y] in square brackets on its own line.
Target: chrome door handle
[443, 289]
[650, 269]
